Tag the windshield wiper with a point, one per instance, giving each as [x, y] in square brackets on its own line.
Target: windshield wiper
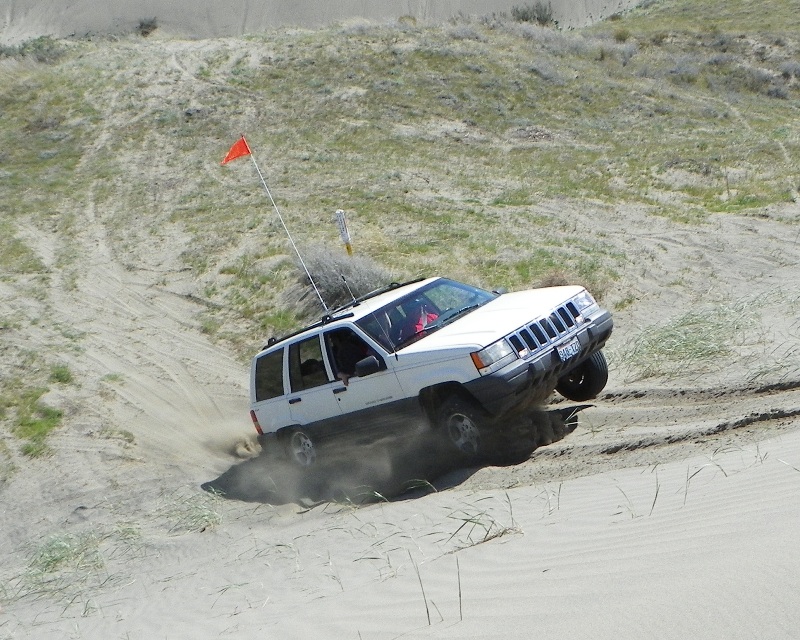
[451, 314]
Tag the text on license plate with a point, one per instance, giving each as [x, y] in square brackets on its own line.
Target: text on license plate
[568, 350]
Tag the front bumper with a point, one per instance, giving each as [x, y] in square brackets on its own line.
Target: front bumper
[512, 387]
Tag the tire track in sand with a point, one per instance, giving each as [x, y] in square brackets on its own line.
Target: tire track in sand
[148, 368]
[647, 427]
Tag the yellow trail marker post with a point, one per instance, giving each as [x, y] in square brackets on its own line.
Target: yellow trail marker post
[341, 221]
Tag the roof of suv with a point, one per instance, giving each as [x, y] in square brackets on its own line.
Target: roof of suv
[360, 307]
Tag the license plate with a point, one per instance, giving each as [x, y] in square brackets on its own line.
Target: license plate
[569, 350]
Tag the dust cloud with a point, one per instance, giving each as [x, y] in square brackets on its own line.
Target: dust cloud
[388, 467]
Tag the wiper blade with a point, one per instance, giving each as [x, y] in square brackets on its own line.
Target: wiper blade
[450, 315]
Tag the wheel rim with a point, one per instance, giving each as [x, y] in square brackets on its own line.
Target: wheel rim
[575, 377]
[302, 449]
[464, 434]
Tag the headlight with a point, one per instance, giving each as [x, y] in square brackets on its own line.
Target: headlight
[494, 357]
[583, 301]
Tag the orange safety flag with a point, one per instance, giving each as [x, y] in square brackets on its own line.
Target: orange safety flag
[238, 149]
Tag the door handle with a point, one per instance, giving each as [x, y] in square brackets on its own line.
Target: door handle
[340, 389]
[295, 400]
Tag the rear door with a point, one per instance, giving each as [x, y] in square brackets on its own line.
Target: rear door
[268, 395]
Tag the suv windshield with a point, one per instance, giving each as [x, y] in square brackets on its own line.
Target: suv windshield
[422, 312]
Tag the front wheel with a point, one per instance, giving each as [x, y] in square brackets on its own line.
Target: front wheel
[586, 380]
[300, 448]
[462, 427]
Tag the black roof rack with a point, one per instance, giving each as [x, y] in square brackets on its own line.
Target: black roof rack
[329, 317]
[325, 320]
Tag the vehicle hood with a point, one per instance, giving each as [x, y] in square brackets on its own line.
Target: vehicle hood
[496, 319]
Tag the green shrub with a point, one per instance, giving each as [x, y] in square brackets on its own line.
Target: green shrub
[790, 68]
[61, 373]
[44, 49]
[621, 34]
[34, 420]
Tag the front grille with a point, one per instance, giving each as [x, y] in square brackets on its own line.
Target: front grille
[546, 331]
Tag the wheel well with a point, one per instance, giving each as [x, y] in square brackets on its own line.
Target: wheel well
[284, 432]
[432, 397]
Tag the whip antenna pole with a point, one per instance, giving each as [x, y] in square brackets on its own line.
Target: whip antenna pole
[289, 235]
[241, 148]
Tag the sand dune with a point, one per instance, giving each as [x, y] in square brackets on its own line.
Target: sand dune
[25, 19]
[670, 512]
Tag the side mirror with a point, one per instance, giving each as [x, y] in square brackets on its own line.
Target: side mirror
[368, 366]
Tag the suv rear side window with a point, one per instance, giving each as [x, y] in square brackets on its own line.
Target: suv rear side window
[306, 367]
[269, 376]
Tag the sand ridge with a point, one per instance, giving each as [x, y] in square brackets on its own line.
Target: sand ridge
[26, 19]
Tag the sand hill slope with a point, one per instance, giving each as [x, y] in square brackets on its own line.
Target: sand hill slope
[670, 511]
[25, 19]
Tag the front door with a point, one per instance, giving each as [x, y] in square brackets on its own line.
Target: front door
[376, 402]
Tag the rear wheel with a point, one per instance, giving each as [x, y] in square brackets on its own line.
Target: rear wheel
[300, 448]
[586, 380]
[462, 425]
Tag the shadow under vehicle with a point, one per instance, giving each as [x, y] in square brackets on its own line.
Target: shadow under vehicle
[394, 467]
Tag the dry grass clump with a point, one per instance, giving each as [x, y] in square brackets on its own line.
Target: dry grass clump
[479, 524]
[696, 341]
[338, 278]
[60, 568]
[15, 255]
[554, 279]
[538, 12]
[147, 26]
[69, 567]
[45, 50]
[61, 551]
[190, 512]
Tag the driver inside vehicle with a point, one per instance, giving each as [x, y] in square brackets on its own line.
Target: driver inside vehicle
[418, 316]
[347, 350]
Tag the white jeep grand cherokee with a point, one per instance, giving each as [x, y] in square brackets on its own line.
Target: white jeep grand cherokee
[461, 360]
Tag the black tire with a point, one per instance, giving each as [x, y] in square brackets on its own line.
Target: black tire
[462, 427]
[300, 447]
[586, 380]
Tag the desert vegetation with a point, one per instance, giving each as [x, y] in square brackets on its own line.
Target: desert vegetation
[459, 149]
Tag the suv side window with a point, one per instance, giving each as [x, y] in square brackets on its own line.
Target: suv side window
[346, 348]
[306, 367]
[269, 376]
